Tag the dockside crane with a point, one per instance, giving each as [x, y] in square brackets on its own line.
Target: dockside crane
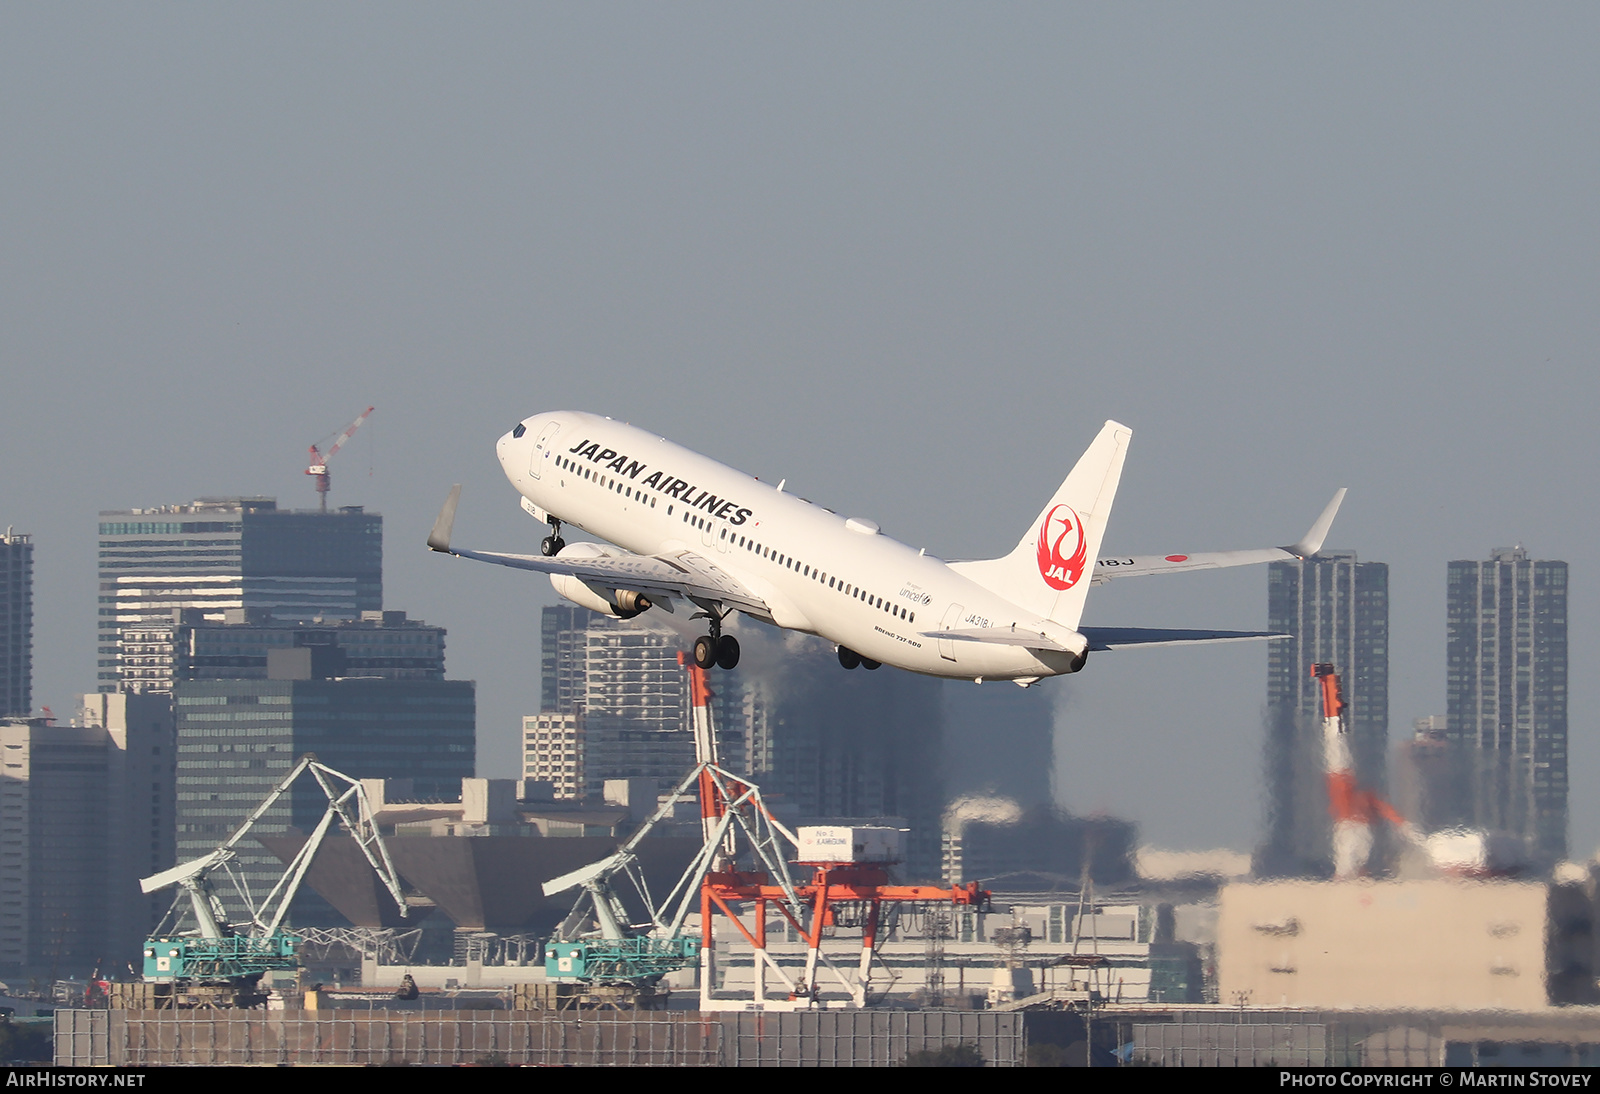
[318, 468]
[743, 862]
[208, 959]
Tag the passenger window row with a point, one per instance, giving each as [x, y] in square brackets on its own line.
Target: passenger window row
[853, 591]
[616, 486]
[745, 543]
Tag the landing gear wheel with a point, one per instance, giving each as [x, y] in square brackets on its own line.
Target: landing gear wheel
[869, 664]
[552, 544]
[848, 657]
[728, 652]
[705, 652]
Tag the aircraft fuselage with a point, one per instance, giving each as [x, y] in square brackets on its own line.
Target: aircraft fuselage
[818, 572]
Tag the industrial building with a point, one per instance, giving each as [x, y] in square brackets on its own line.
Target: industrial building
[1506, 690]
[16, 623]
[222, 554]
[1336, 610]
[1430, 944]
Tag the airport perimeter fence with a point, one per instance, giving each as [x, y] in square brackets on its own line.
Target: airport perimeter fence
[1299, 1039]
[132, 1038]
[1230, 1044]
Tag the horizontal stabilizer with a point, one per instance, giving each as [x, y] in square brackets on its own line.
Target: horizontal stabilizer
[1116, 638]
[1113, 566]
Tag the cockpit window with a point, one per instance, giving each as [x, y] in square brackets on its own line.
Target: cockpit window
[520, 430]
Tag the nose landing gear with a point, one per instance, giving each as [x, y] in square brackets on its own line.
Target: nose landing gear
[551, 545]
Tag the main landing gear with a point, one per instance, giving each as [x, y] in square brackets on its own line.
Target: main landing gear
[722, 652]
[849, 658]
[551, 545]
[716, 648]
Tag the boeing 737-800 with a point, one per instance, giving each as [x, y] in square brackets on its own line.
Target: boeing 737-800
[692, 534]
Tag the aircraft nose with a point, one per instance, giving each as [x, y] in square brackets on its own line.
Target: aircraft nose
[504, 446]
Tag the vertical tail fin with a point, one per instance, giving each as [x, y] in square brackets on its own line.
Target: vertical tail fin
[1048, 571]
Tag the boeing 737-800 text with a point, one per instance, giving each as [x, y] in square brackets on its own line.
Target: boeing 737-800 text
[691, 534]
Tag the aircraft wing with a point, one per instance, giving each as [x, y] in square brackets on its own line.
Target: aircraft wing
[1140, 565]
[681, 574]
[1100, 638]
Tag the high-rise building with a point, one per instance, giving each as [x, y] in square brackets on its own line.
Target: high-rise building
[1506, 693]
[1336, 610]
[617, 695]
[187, 646]
[238, 738]
[16, 623]
[85, 811]
[552, 752]
[216, 555]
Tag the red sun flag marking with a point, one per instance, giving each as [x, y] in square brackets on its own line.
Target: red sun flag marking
[1177, 558]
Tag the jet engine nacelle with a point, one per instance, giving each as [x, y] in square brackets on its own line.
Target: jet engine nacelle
[621, 603]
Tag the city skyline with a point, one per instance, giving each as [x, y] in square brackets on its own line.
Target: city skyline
[1376, 761]
[894, 259]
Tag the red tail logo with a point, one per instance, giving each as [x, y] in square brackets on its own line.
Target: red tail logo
[1062, 548]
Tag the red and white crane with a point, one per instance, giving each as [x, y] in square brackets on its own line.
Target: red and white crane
[1352, 807]
[319, 459]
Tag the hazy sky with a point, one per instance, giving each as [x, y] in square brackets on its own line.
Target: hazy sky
[909, 256]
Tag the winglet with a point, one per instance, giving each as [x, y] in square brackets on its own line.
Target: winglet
[439, 538]
[1311, 542]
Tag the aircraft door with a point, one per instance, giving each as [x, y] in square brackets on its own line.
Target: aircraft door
[952, 617]
[542, 448]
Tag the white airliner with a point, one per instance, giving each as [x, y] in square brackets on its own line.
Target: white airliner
[692, 534]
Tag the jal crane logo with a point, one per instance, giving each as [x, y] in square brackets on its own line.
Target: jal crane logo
[1062, 549]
